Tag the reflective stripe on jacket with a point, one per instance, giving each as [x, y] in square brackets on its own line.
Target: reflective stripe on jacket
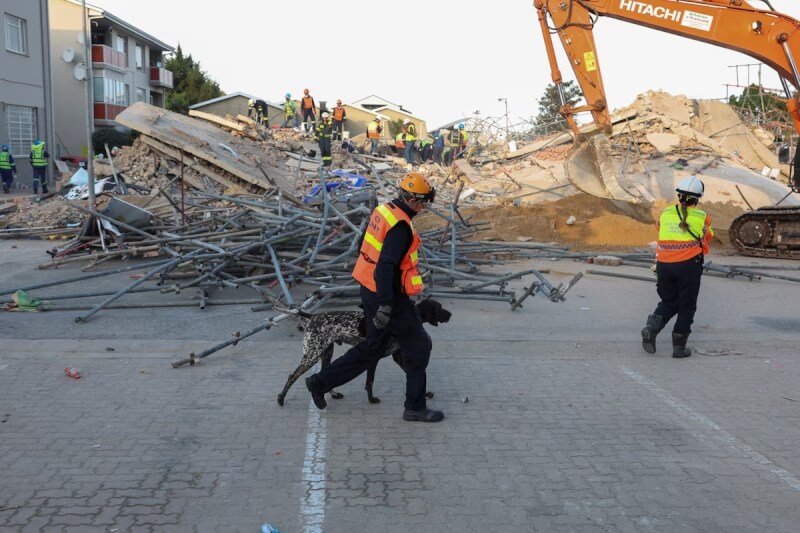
[384, 218]
[37, 155]
[338, 113]
[374, 130]
[676, 245]
[324, 130]
[5, 161]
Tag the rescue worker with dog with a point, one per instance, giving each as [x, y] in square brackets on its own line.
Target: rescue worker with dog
[683, 235]
[387, 271]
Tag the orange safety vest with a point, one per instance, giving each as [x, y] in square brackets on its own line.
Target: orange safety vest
[338, 113]
[374, 130]
[398, 141]
[308, 102]
[384, 218]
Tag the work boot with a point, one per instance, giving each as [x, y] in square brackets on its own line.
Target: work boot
[5, 189]
[422, 415]
[679, 348]
[317, 391]
[655, 323]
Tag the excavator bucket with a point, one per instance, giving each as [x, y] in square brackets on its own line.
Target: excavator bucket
[589, 168]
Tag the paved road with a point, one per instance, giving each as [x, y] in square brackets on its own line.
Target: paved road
[568, 425]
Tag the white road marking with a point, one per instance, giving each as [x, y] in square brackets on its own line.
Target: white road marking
[313, 506]
[713, 430]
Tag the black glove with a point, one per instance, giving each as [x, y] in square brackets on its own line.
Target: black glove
[381, 319]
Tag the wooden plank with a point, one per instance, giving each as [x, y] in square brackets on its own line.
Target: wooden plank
[218, 120]
[245, 160]
[466, 169]
[190, 164]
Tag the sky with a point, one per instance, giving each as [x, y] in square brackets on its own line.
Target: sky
[443, 60]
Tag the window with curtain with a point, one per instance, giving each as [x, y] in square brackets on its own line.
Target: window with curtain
[16, 34]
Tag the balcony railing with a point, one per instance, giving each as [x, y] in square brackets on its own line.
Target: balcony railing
[104, 56]
[160, 77]
[107, 111]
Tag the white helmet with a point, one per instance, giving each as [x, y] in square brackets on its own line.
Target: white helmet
[406, 121]
[251, 102]
[691, 186]
[325, 114]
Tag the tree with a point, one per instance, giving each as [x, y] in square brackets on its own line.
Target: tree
[191, 84]
[759, 105]
[549, 118]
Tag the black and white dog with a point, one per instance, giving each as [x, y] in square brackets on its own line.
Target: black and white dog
[347, 327]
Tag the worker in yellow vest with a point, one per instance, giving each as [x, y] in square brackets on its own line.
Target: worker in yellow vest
[386, 269]
[374, 130]
[683, 235]
[8, 168]
[410, 139]
[39, 158]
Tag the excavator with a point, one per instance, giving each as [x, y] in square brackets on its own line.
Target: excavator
[764, 34]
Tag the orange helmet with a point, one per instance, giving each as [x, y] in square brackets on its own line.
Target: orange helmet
[417, 186]
[305, 91]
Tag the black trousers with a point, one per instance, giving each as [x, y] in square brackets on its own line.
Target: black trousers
[678, 286]
[309, 113]
[406, 328]
[325, 150]
[338, 125]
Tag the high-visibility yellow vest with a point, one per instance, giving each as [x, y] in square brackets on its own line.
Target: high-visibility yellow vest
[384, 218]
[676, 245]
[374, 130]
[411, 132]
[5, 161]
[37, 155]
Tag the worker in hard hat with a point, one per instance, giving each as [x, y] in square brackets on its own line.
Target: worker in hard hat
[387, 271]
[323, 135]
[257, 110]
[290, 112]
[793, 106]
[438, 146]
[684, 232]
[426, 148]
[8, 168]
[339, 118]
[410, 139]
[308, 107]
[463, 139]
[374, 130]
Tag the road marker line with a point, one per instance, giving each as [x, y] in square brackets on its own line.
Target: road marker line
[714, 431]
[313, 506]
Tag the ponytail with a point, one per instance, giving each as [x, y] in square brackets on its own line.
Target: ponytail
[684, 225]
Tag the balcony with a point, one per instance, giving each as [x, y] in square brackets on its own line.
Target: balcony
[160, 77]
[106, 57]
[106, 113]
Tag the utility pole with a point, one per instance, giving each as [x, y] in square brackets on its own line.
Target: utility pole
[505, 101]
[87, 52]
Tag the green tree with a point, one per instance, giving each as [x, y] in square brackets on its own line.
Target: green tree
[191, 84]
[760, 106]
[549, 118]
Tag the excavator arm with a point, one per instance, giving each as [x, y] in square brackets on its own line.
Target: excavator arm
[768, 36]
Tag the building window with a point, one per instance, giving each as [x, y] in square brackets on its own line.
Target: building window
[139, 57]
[21, 129]
[141, 94]
[16, 35]
[110, 91]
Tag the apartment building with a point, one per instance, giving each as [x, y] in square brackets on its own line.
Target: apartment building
[127, 65]
[25, 85]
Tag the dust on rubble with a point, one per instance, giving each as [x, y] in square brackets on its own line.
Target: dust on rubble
[600, 223]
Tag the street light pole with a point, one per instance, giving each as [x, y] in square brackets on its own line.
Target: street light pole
[87, 49]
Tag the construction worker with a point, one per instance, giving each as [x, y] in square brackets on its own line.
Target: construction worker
[793, 106]
[323, 136]
[8, 168]
[339, 116]
[257, 110]
[386, 269]
[410, 139]
[426, 146]
[683, 235]
[453, 146]
[290, 112]
[39, 158]
[374, 130]
[463, 138]
[308, 107]
[399, 146]
[438, 146]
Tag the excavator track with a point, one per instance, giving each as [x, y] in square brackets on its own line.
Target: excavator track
[768, 232]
